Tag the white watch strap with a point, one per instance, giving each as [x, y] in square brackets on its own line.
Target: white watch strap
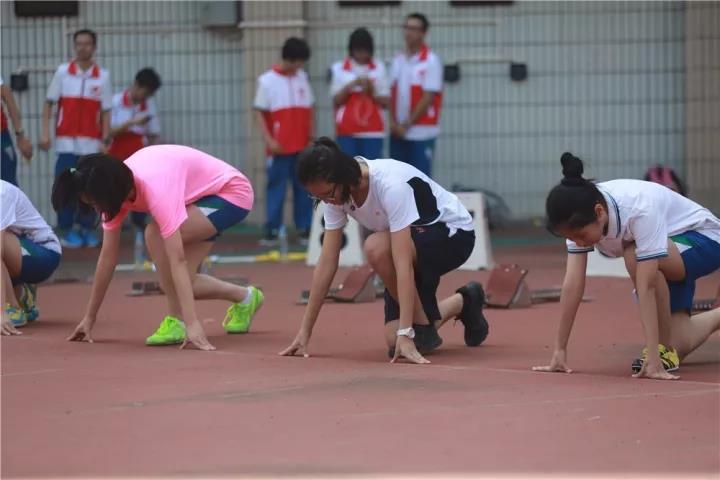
[406, 332]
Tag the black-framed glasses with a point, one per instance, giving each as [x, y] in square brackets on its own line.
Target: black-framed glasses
[326, 196]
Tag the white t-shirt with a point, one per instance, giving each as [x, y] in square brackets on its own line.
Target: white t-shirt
[19, 216]
[124, 110]
[400, 195]
[648, 213]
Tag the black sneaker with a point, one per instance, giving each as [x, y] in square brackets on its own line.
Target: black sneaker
[476, 327]
[269, 240]
[304, 237]
[426, 340]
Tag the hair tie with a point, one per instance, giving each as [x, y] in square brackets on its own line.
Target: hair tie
[73, 169]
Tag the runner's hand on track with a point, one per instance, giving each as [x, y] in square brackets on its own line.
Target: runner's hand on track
[299, 345]
[195, 336]
[82, 331]
[558, 363]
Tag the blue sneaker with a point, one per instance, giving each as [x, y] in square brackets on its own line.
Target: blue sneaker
[71, 239]
[16, 315]
[28, 301]
[90, 239]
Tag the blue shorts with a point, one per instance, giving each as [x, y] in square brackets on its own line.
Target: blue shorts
[221, 213]
[701, 257]
[38, 262]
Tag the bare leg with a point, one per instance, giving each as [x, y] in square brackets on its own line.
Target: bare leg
[205, 287]
[156, 248]
[378, 253]
[379, 256]
[689, 332]
[662, 295]
[680, 330]
[11, 265]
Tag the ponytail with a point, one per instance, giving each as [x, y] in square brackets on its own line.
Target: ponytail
[102, 179]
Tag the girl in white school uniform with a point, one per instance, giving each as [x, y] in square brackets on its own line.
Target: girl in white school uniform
[668, 242]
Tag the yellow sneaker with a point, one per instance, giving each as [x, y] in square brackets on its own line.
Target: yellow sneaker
[669, 357]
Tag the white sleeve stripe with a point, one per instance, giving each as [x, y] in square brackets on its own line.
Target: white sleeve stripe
[652, 256]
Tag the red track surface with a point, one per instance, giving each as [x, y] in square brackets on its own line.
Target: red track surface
[118, 408]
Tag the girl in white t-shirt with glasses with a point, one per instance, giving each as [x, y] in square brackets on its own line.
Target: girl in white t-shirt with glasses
[420, 232]
[668, 242]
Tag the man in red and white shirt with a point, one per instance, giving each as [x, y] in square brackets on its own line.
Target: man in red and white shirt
[360, 91]
[83, 94]
[134, 124]
[284, 113]
[417, 81]
[134, 121]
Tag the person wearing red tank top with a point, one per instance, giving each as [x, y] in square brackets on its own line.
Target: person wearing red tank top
[134, 124]
[360, 93]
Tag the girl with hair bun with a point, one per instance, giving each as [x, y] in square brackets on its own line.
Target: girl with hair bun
[667, 241]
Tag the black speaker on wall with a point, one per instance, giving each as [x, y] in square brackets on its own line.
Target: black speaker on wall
[46, 9]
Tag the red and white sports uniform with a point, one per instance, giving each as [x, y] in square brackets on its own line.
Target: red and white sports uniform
[287, 104]
[135, 137]
[360, 116]
[411, 77]
[81, 97]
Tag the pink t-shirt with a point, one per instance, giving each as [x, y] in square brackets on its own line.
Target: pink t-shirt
[168, 178]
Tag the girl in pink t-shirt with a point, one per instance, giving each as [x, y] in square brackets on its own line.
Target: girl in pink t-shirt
[192, 197]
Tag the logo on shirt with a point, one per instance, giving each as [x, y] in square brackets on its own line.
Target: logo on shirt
[301, 92]
[95, 90]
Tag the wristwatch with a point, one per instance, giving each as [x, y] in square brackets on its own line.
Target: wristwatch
[406, 332]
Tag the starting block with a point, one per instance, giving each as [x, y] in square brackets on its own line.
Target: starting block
[144, 289]
[506, 288]
[357, 287]
[351, 251]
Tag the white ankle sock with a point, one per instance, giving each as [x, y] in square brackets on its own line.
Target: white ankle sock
[249, 295]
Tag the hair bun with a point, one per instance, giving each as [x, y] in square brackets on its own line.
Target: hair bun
[572, 169]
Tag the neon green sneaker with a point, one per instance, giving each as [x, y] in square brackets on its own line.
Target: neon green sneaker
[170, 332]
[669, 357]
[239, 315]
[27, 301]
[17, 316]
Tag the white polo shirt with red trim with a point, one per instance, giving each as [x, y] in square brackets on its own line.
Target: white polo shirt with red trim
[412, 76]
[287, 104]
[135, 137]
[81, 97]
[360, 116]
